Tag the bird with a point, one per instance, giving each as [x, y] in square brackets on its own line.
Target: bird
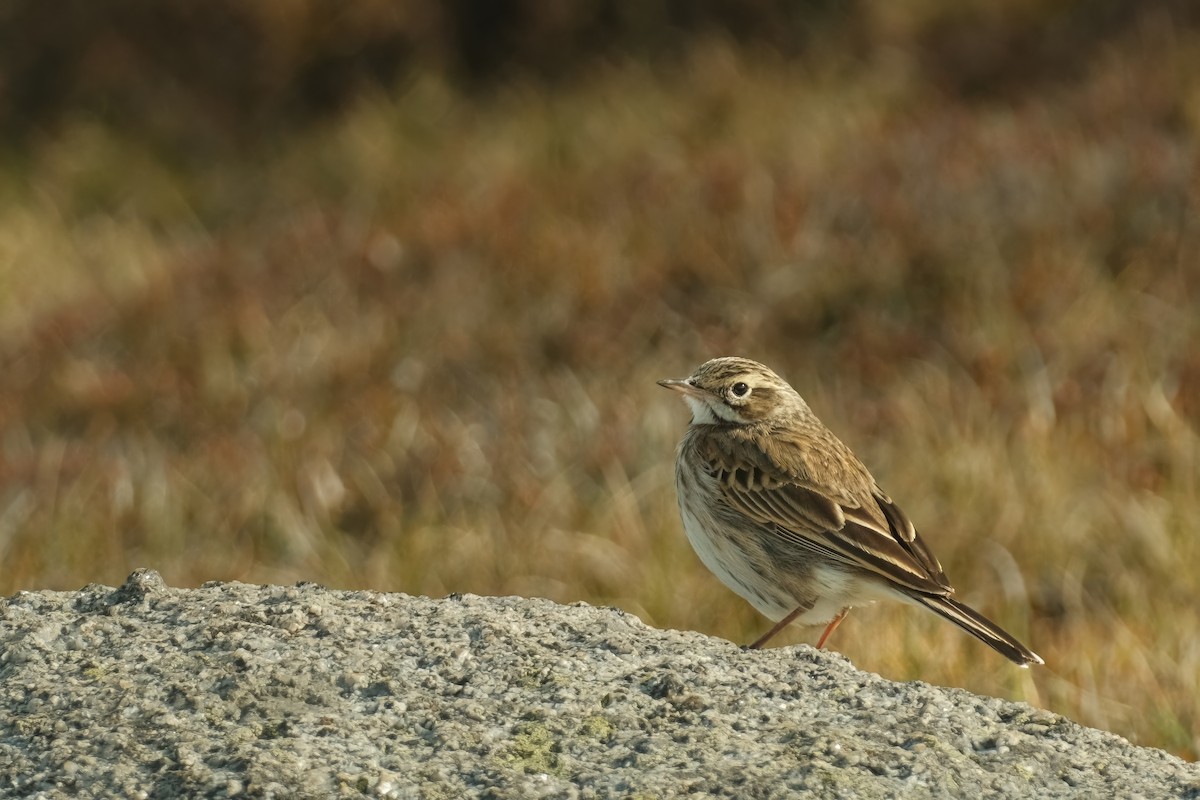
[785, 515]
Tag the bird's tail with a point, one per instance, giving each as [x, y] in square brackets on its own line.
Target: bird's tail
[981, 628]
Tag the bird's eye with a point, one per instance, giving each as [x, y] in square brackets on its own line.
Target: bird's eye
[740, 389]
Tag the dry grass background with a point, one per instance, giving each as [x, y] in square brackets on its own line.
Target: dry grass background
[414, 348]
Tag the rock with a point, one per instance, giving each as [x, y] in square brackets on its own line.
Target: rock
[265, 691]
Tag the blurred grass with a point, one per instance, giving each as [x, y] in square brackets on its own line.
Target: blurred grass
[414, 348]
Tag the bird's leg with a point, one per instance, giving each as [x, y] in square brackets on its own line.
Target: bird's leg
[833, 623]
[778, 626]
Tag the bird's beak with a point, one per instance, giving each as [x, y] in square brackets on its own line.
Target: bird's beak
[681, 386]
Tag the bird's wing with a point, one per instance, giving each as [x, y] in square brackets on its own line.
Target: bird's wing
[855, 523]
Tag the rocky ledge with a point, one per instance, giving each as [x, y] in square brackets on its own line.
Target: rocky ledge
[233, 690]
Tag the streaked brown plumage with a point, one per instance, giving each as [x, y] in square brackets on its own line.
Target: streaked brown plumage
[785, 515]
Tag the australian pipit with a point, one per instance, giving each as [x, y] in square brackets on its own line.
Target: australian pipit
[786, 516]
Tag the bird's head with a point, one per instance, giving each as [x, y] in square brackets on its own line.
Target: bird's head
[735, 390]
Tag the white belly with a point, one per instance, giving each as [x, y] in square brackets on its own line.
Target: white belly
[739, 564]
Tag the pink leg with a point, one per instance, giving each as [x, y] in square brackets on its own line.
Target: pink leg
[783, 623]
[833, 623]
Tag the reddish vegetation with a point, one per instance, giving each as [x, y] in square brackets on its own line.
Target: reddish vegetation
[415, 348]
